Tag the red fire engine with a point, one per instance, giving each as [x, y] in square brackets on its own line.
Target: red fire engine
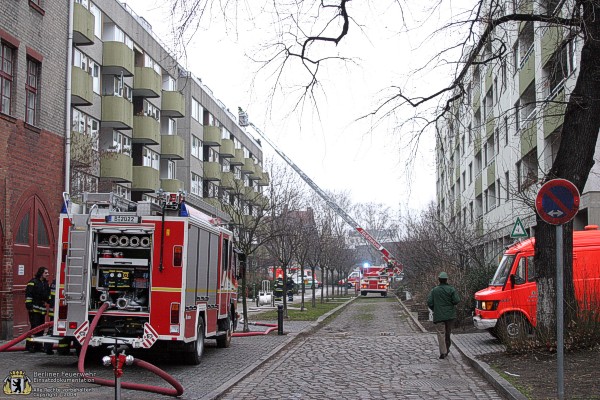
[168, 272]
[375, 279]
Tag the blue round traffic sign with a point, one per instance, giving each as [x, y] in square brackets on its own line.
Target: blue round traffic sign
[557, 201]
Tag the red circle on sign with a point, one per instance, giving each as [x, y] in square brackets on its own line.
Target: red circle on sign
[557, 202]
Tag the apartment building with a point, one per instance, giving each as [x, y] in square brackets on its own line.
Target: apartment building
[33, 53]
[109, 110]
[498, 143]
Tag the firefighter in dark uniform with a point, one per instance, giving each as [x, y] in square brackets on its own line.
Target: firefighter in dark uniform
[37, 295]
[278, 289]
[290, 288]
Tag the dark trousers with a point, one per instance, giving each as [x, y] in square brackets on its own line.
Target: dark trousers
[444, 330]
[35, 320]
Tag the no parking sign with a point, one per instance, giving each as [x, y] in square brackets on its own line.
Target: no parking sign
[557, 201]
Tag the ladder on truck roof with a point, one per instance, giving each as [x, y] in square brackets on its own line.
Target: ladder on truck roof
[392, 262]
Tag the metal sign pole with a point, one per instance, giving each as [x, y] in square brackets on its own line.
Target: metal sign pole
[559, 313]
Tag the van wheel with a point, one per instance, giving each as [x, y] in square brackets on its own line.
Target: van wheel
[512, 328]
[224, 341]
[195, 349]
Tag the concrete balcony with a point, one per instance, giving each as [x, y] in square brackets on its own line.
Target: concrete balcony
[491, 174]
[528, 137]
[257, 174]
[248, 167]
[227, 148]
[490, 125]
[145, 179]
[250, 195]
[527, 73]
[83, 26]
[212, 171]
[238, 159]
[227, 180]
[117, 58]
[146, 82]
[265, 180]
[216, 203]
[117, 113]
[171, 185]
[478, 185]
[212, 136]
[172, 147]
[262, 201]
[146, 130]
[172, 104]
[116, 167]
[554, 113]
[82, 93]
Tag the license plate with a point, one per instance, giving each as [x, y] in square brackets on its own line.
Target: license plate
[131, 219]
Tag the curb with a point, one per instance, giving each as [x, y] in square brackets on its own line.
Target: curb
[498, 382]
[291, 339]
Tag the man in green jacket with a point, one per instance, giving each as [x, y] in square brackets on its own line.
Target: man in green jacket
[442, 300]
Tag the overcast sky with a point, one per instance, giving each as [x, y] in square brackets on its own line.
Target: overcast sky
[337, 152]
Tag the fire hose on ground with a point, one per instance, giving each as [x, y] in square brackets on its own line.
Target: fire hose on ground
[272, 327]
[177, 391]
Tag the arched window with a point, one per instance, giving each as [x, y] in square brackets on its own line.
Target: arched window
[23, 232]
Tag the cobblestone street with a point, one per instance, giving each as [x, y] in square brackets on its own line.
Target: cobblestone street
[371, 350]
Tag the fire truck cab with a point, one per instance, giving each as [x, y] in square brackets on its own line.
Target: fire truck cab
[167, 271]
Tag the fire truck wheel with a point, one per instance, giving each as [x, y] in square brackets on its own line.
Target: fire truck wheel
[363, 293]
[512, 328]
[195, 349]
[384, 294]
[224, 341]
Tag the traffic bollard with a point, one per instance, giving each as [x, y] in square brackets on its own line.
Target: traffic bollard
[280, 319]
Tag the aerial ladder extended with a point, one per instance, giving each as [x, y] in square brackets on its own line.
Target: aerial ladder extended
[394, 267]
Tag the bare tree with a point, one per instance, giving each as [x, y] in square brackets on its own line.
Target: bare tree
[308, 32]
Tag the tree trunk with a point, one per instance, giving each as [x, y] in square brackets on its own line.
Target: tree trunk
[573, 162]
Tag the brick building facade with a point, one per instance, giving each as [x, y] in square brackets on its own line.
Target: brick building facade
[33, 37]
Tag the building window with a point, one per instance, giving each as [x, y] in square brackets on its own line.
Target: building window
[31, 92]
[210, 154]
[197, 110]
[470, 173]
[225, 164]
[525, 44]
[527, 169]
[505, 131]
[507, 183]
[196, 187]
[150, 158]
[6, 78]
[560, 66]
[97, 20]
[169, 83]
[120, 143]
[527, 105]
[196, 147]
[471, 212]
[122, 191]
[86, 125]
[210, 190]
[170, 169]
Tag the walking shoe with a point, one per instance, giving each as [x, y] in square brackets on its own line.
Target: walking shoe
[49, 352]
[442, 356]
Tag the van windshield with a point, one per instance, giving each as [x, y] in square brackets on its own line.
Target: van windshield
[503, 271]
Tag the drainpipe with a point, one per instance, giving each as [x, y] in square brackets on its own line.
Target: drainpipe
[68, 98]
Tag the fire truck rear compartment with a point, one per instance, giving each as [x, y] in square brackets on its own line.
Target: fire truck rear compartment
[120, 326]
[121, 270]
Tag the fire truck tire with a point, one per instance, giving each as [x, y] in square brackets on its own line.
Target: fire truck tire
[384, 294]
[512, 328]
[195, 349]
[224, 341]
[363, 293]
